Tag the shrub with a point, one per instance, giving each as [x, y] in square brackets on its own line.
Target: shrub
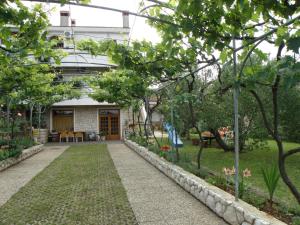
[271, 178]
[4, 154]
[24, 142]
[218, 181]
[15, 147]
[154, 148]
[296, 220]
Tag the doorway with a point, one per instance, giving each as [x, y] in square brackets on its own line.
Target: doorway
[62, 120]
[109, 120]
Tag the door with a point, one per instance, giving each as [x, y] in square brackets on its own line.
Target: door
[110, 123]
[63, 120]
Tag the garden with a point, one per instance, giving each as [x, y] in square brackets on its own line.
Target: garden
[211, 74]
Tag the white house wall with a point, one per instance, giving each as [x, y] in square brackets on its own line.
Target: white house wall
[85, 119]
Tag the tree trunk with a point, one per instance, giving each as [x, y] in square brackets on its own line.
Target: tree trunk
[199, 155]
[146, 119]
[152, 130]
[201, 147]
[188, 135]
[220, 141]
[145, 128]
[7, 114]
[283, 173]
[133, 122]
[139, 123]
[12, 134]
[30, 121]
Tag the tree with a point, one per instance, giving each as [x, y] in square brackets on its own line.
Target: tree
[224, 21]
[26, 56]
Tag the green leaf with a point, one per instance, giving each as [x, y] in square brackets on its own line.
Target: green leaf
[293, 44]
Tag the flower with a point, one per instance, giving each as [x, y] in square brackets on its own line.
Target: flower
[232, 171]
[19, 114]
[228, 171]
[246, 173]
[165, 148]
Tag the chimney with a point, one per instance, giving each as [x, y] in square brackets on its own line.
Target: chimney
[73, 22]
[64, 18]
[125, 19]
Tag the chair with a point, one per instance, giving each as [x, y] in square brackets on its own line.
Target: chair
[71, 135]
[92, 136]
[78, 135]
[63, 134]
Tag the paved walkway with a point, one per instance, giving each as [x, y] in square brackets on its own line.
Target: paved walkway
[155, 199]
[15, 177]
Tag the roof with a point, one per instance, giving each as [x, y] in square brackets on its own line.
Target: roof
[83, 101]
[90, 29]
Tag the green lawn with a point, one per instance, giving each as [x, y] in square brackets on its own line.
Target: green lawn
[216, 159]
[80, 187]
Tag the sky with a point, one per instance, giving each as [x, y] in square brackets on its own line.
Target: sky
[140, 30]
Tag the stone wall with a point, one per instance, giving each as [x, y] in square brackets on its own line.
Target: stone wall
[86, 119]
[24, 155]
[219, 201]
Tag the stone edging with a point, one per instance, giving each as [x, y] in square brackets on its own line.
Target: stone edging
[24, 155]
[219, 201]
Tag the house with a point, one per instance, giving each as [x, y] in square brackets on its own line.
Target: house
[85, 114]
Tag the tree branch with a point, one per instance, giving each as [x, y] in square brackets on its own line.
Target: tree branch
[263, 112]
[290, 152]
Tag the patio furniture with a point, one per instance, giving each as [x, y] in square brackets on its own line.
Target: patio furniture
[78, 135]
[91, 136]
[71, 135]
[62, 135]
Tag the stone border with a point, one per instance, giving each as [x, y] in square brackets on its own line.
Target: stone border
[219, 201]
[26, 153]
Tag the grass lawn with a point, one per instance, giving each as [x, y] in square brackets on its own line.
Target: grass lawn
[216, 159]
[82, 186]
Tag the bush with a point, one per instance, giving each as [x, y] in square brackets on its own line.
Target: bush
[15, 147]
[154, 148]
[138, 139]
[24, 142]
[218, 181]
[4, 154]
[296, 220]
[3, 142]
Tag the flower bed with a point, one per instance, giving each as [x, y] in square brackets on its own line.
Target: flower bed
[221, 202]
[4, 164]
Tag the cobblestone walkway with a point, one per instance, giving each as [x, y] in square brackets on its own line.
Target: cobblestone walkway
[15, 177]
[154, 198]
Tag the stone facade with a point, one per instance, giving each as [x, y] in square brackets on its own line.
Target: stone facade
[219, 201]
[24, 155]
[86, 119]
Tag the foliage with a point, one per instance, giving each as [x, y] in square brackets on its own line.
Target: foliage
[290, 125]
[191, 39]
[23, 142]
[13, 148]
[271, 177]
[27, 78]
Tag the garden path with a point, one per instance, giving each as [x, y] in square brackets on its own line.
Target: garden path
[15, 177]
[154, 198]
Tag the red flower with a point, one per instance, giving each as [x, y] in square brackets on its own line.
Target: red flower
[165, 148]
